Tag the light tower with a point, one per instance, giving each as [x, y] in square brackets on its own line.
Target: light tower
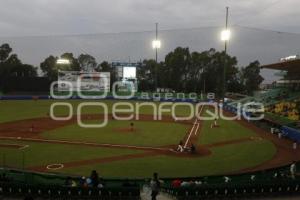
[156, 44]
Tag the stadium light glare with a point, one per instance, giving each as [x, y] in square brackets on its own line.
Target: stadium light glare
[225, 35]
[63, 61]
[156, 44]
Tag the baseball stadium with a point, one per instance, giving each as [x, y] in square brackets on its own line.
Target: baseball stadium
[184, 120]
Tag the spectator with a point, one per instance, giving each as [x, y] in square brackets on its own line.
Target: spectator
[89, 182]
[73, 183]
[82, 182]
[198, 183]
[94, 178]
[192, 183]
[293, 170]
[226, 179]
[4, 178]
[155, 186]
[185, 184]
[176, 183]
[127, 183]
[68, 182]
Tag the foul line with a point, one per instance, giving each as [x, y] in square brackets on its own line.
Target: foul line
[194, 125]
[24, 147]
[84, 143]
[190, 134]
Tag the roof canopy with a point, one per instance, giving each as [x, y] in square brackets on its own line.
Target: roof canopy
[292, 65]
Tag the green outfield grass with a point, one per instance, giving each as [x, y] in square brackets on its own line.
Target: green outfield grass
[43, 153]
[227, 130]
[25, 109]
[224, 159]
[147, 133]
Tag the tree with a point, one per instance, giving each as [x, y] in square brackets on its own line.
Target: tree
[106, 67]
[87, 62]
[49, 68]
[5, 50]
[11, 65]
[74, 64]
[177, 64]
[183, 71]
[146, 75]
[251, 77]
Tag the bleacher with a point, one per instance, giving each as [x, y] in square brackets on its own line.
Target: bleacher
[269, 183]
[266, 97]
[273, 182]
[19, 184]
[59, 192]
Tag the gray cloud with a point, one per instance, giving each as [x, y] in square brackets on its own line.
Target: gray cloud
[51, 18]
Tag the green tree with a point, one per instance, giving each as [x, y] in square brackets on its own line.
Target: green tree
[74, 64]
[146, 75]
[87, 62]
[251, 77]
[50, 68]
[177, 64]
[12, 66]
[106, 67]
[5, 50]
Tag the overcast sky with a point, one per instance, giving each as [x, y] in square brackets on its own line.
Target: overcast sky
[51, 17]
[37, 28]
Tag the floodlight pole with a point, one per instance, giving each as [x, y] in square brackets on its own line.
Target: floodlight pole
[156, 36]
[156, 49]
[225, 60]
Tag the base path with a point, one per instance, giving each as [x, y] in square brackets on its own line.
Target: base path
[30, 130]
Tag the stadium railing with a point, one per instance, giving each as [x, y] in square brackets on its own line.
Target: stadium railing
[272, 181]
[20, 183]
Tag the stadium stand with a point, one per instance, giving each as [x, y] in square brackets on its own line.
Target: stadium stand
[273, 182]
[269, 183]
[281, 101]
[16, 184]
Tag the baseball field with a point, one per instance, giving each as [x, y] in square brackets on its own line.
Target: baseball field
[31, 140]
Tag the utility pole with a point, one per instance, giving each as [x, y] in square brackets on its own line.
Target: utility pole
[156, 45]
[156, 49]
[225, 59]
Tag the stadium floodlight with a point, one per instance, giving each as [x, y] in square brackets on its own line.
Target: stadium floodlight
[225, 35]
[63, 61]
[156, 44]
